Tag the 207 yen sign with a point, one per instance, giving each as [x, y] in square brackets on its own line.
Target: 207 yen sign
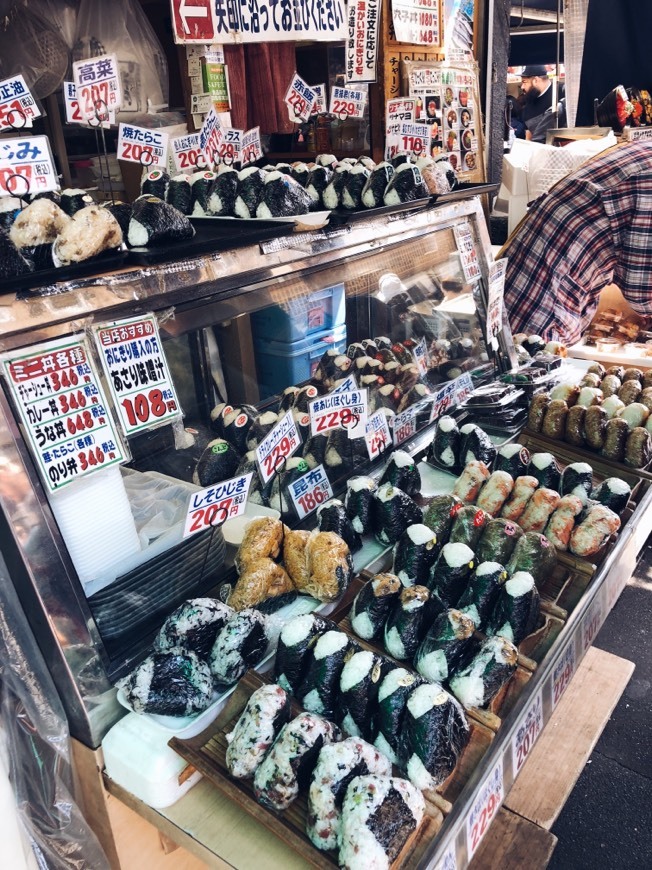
[26, 166]
[485, 807]
[216, 504]
[310, 491]
[527, 733]
[275, 448]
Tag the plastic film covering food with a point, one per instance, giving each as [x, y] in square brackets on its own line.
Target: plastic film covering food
[38, 747]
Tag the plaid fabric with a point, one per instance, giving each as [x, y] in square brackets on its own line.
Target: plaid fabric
[592, 228]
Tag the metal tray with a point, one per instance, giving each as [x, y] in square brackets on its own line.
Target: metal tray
[106, 262]
[464, 190]
[340, 216]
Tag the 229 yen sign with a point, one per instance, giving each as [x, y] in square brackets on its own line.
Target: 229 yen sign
[485, 807]
[278, 446]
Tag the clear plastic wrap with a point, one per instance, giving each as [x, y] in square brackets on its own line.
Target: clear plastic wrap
[38, 747]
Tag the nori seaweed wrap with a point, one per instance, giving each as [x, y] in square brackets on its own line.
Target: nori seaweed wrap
[517, 610]
[480, 596]
[392, 511]
[332, 194]
[514, 459]
[446, 645]
[260, 427]
[402, 472]
[314, 449]
[10, 207]
[303, 396]
[318, 690]
[359, 683]
[405, 185]
[236, 426]
[353, 351]
[12, 262]
[613, 493]
[358, 499]
[491, 667]
[74, 200]
[372, 605]
[121, 211]
[179, 193]
[218, 462]
[222, 193]
[266, 712]
[154, 222]
[468, 526]
[498, 541]
[251, 182]
[435, 731]
[296, 639]
[318, 181]
[282, 196]
[300, 171]
[440, 514]
[533, 553]
[201, 183]
[393, 694]
[415, 553]
[240, 645]
[286, 399]
[450, 573]
[354, 186]
[577, 479]
[445, 445]
[342, 453]
[155, 183]
[475, 446]
[332, 517]
[406, 623]
[194, 625]
[544, 467]
[302, 422]
[374, 189]
[175, 682]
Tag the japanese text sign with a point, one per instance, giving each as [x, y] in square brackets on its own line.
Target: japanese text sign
[416, 21]
[467, 252]
[137, 373]
[345, 410]
[29, 158]
[61, 403]
[97, 81]
[320, 99]
[231, 147]
[73, 111]
[17, 105]
[526, 735]
[310, 490]
[251, 148]
[215, 504]
[495, 300]
[277, 446]
[486, 805]
[348, 102]
[186, 152]
[210, 137]
[141, 145]
[299, 99]
[404, 424]
[377, 435]
[562, 675]
[362, 41]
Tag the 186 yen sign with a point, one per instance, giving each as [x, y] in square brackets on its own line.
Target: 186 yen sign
[310, 491]
[278, 446]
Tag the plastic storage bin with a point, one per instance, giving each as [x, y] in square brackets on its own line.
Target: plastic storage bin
[300, 318]
[281, 364]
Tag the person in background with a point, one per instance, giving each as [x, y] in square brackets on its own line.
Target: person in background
[538, 113]
[591, 229]
[513, 115]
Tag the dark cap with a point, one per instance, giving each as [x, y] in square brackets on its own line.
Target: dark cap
[534, 69]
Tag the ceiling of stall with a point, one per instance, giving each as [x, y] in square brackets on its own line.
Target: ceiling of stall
[533, 31]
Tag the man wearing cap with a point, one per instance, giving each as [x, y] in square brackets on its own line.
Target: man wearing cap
[538, 115]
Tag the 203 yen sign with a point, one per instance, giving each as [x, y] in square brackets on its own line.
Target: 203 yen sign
[527, 733]
[484, 809]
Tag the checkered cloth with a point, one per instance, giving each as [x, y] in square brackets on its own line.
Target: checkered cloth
[593, 228]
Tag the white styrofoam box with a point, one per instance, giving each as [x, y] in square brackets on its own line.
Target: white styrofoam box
[515, 166]
[138, 758]
[516, 209]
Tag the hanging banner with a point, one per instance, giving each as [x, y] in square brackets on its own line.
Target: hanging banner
[299, 98]
[142, 145]
[31, 159]
[348, 102]
[416, 21]
[59, 397]
[17, 106]
[98, 85]
[362, 44]
[220, 21]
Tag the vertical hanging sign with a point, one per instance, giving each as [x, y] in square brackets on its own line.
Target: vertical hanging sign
[416, 22]
[362, 42]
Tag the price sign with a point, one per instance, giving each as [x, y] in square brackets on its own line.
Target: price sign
[416, 22]
[449, 861]
[404, 424]
[377, 435]
[463, 388]
[349, 383]
[251, 148]
[140, 145]
[345, 410]
[279, 444]
[17, 105]
[31, 159]
[231, 147]
[310, 490]
[495, 300]
[320, 99]
[137, 373]
[61, 403]
[420, 356]
[591, 623]
[97, 81]
[299, 98]
[73, 112]
[486, 805]
[414, 138]
[442, 400]
[528, 731]
[186, 153]
[467, 252]
[562, 674]
[210, 137]
[397, 112]
[216, 504]
[348, 102]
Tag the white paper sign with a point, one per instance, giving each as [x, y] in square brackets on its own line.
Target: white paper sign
[377, 435]
[299, 98]
[562, 675]
[362, 42]
[349, 383]
[73, 112]
[142, 145]
[320, 104]
[348, 102]
[231, 147]
[60, 400]
[187, 153]
[420, 356]
[216, 504]
[97, 81]
[414, 138]
[200, 104]
[490, 796]
[17, 105]
[345, 410]
[527, 733]
[397, 112]
[463, 388]
[404, 425]
[310, 491]
[137, 373]
[495, 300]
[251, 147]
[416, 22]
[210, 137]
[591, 623]
[467, 252]
[443, 399]
[30, 159]
[277, 446]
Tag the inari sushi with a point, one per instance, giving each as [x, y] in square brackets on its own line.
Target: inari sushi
[289, 763]
[405, 625]
[435, 731]
[337, 765]
[479, 598]
[517, 610]
[262, 584]
[372, 605]
[154, 222]
[332, 517]
[194, 626]
[393, 694]
[173, 682]
[392, 512]
[401, 471]
[445, 647]
[267, 710]
[359, 683]
[297, 638]
[239, 645]
[450, 573]
[491, 667]
[445, 445]
[359, 494]
[218, 462]
[415, 553]
[378, 815]
[318, 690]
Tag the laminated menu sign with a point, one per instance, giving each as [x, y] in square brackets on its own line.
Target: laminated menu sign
[73, 111]
[362, 42]
[186, 152]
[527, 732]
[348, 102]
[310, 490]
[467, 251]
[487, 803]
[60, 400]
[142, 145]
[251, 147]
[495, 300]
[137, 373]
[299, 98]
[277, 446]
[97, 80]
[377, 435]
[29, 158]
[416, 21]
[345, 410]
[17, 105]
[214, 505]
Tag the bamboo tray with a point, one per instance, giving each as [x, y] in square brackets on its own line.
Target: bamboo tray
[207, 753]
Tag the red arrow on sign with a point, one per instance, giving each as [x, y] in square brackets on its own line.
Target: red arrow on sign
[193, 22]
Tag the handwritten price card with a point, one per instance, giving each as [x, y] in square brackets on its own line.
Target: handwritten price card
[377, 435]
[562, 674]
[467, 252]
[310, 491]
[60, 401]
[216, 504]
[137, 373]
[187, 153]
[345, 410]
[443, 400]
[251, 148]
[279, 444]
[29, 158]
[397, 112]
[17, 105]
[73, 112]
[210, 137]
[141, 145]
[484, 809]
[528, 731]
[463, 388]
[405, 424]
[299, 98]
[348, 102]
[97, 81]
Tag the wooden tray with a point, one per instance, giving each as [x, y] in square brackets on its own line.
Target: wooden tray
[207, 753]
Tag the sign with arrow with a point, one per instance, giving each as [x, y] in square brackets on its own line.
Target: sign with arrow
[193, 21]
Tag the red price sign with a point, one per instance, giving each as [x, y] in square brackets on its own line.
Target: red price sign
[12, 184]
[527, 733]
[563, 674]
[279, 445]
[144, 407]
[338, 410]
[484, 809]
[214, 505]
[413, 144]
[591, 624]
[377, 435]
[310, 490]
